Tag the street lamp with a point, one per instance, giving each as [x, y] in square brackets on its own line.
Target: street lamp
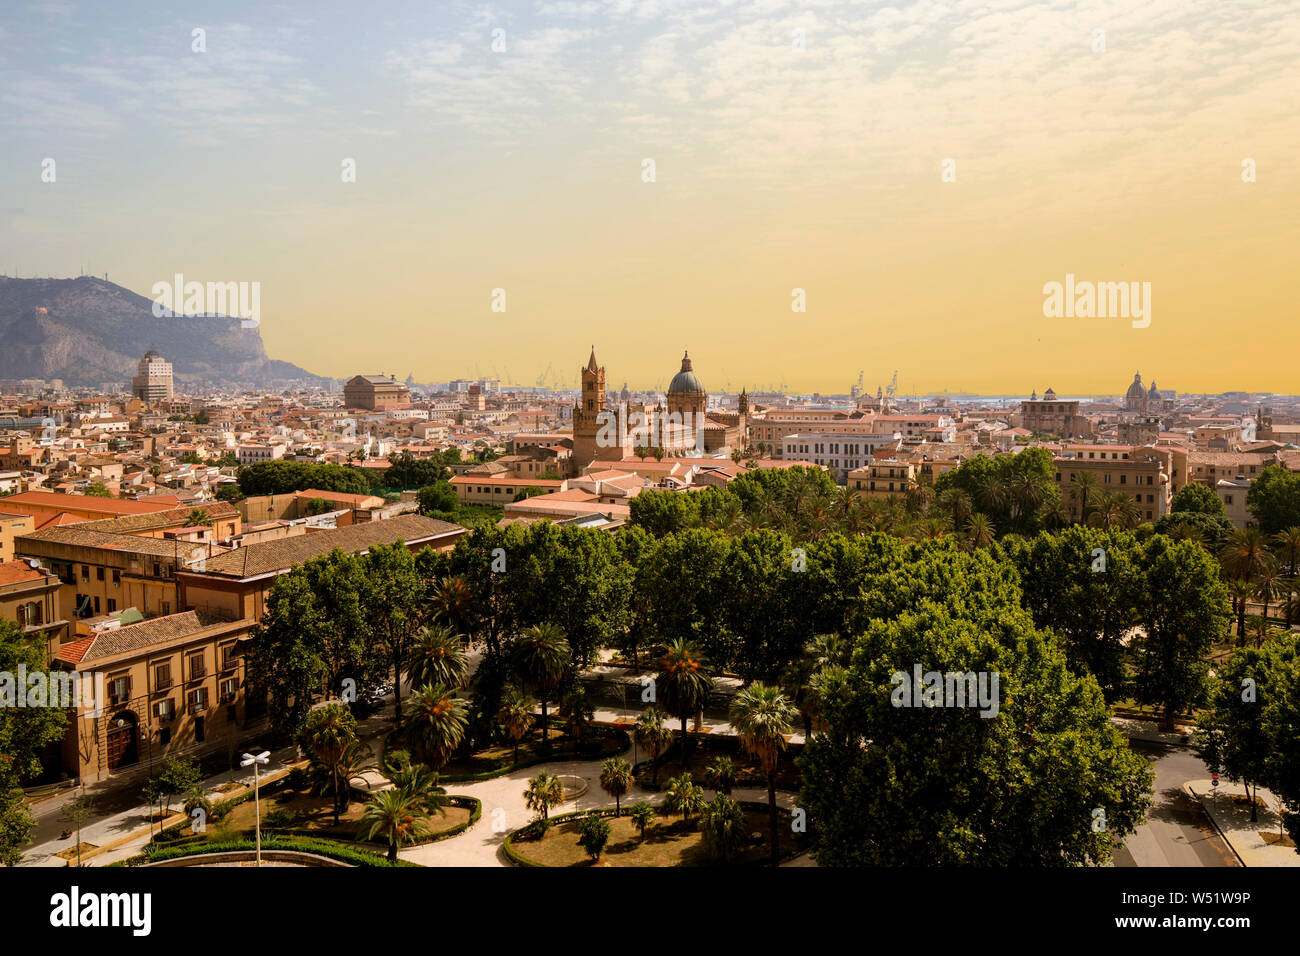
[257, 761]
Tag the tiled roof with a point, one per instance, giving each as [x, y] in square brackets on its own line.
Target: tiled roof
[132, 524]
[270, 556]
[135, 637]
[17, 572]
[48, 499]
[79, 535]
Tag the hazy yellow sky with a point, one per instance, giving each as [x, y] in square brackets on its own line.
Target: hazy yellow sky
[776, 167]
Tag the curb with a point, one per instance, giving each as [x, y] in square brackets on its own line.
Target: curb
[1187, 789]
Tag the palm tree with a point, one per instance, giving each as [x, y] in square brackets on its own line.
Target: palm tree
[326, 734]
[516, 716]
[1053, 513]
[1240, 590]
[762, 717]
[540, 656]
[1083, 489]
[683, 685]
[578, 714]
[1245, 554]
[724, 826]
[397, 816]
[722, 774]
[651, 734]
[544, 791]
[616, 779]
[1267, 587]
[437, 722]
[683, 795]
[437, 657]
[642, 815]
[1288, 552]
[452, 602]
[417, 780]
[957, 503]
[979, 531]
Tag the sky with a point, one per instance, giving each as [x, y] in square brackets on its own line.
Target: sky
[920, 171]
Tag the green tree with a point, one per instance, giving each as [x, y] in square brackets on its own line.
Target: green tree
[724, 827]
[540, 658]
[722, 774]
[396, 816]
[683, 686]
[1185, 610]
[643, 815]
[75, 813]
[176, 776]
[516, 716]
[1274, 499]
[391, 603]
[682, 795]
[97, 489]
[616, 780]
[593, 835]
[1230, 734]
[544, 792]
[437, 723]
[325, 735]
[1198, 499]
[437, 656]
[438, 500]
[763, 717]
[654, 737]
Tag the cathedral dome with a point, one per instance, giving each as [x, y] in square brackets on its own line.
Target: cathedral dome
[1136, 395]
[685, 381]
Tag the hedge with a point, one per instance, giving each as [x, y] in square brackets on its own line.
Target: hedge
[327, 848]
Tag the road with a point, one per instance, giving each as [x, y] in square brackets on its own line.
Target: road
[1177, 832]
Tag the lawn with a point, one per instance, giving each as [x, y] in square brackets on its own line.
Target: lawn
[597, 743]
[668, 842]
[315, 814]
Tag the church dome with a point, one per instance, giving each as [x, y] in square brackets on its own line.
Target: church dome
[685, 380]
[1136, 393]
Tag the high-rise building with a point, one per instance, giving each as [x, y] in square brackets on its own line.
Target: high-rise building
[153, 379]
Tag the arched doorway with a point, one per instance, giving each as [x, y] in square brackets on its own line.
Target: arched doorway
[123, 740]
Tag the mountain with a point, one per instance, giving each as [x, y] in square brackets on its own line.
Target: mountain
[88, 331]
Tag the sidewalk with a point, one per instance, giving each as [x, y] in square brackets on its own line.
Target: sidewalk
[1233, 821]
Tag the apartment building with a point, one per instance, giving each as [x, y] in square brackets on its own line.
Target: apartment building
[883, 478]
[11, 526]
[29, 596]
[1232, 492]
[172, 684]
[1140, 473]
[837, 453]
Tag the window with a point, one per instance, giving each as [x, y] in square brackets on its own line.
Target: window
[99, 574]
[197, 668]
[164, 709]
[198, 700]
[119, 690]
[112, 605]
[228, 658]
[117, 577]
[85, 573]
[229, 688]
[96, 603]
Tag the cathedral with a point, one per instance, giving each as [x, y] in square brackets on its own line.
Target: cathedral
[1140, 399]
[608, 431]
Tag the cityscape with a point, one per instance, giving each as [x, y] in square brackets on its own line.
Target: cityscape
[862, 495]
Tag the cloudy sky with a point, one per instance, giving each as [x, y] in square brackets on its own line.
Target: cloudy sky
[920, 171]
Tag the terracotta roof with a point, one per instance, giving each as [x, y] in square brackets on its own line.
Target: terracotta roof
[74, 651]
[268, 557]
[136, 637]
[16, 572]
[121, 506]
[78, 534]
[132, 524]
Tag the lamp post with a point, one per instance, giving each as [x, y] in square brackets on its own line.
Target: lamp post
[257, 761]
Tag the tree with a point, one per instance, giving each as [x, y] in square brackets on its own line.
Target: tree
[325, 736]
[1274, 499]
[197, 518]
[544, 792]
[616, 779]
[1184, 612]
[683, 685]
[24, 733]
[762, 716]
[438, 499]
[417, 780]
[75, 813]
[722, 774]
[397, 816]
[391, 603]
[516, 716]
[643, 815]
[1011, 771]
[1198, 499]
[1281, 727]
[532, 491]
[1230, 733]
[724, 827]
[578, 715]
[594, 835]
[97, 489]
[540, 657]
[684, 796]
[437, 656]
[651, 734]
[437, 723]
[176, 776]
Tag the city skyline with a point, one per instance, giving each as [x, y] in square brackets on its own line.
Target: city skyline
[795, 147]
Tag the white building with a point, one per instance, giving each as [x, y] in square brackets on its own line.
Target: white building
[838, 453]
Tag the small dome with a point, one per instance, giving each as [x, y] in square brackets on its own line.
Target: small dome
[1136, 393]
[685, 380]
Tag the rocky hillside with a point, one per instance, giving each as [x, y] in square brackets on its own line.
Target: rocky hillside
[88, 331]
